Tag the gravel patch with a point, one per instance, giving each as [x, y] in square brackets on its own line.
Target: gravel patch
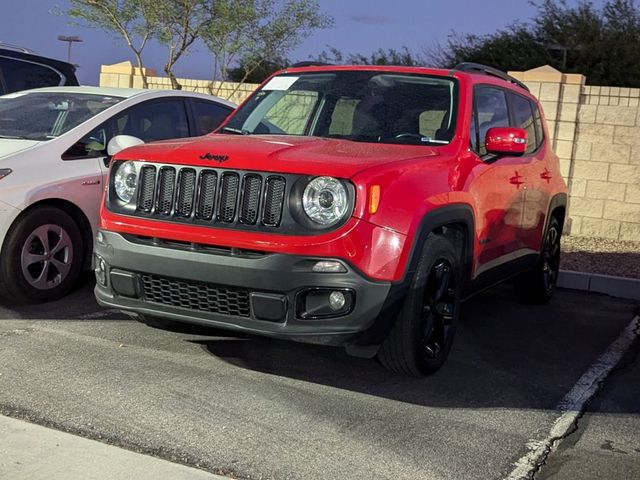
[601, 256]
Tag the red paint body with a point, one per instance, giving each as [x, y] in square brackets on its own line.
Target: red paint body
[509, 197]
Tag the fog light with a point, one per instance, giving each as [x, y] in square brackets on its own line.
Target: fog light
[100, 237]
[100, 271]
[326, 266]
[324, 303]
[337, 300]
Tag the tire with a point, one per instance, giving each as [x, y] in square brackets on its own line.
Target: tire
[537, 286]
[42, 256]
[423, 333]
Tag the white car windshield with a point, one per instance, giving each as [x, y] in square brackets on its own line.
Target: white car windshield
[47, 115]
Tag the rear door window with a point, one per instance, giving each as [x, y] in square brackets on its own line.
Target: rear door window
[523, 118]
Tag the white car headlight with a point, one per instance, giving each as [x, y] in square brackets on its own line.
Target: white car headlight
[325, 200]
[125, 181]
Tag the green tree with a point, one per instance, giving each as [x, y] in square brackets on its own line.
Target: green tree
[244, 34]
[179, 24]
[378, 57]
[601, 43]
[176, 24]
[259, 74]
[130, 19]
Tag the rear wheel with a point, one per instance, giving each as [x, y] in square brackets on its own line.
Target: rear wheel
[41, 256]
[537, 286]
[422, 335]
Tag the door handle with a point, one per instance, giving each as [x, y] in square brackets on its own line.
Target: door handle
[517, 179]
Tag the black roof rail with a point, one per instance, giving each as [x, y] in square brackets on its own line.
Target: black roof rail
[494, 72]
[311, 63]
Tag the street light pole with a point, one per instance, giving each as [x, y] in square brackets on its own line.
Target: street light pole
[69, 40]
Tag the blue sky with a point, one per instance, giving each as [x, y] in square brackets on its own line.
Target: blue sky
[361, 26]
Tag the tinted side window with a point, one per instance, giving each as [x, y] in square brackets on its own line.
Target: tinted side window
[473, 132]
[491, 109]
[154, 121]
[523, 117]
[209, 116]
[537, 118]
[19, 75]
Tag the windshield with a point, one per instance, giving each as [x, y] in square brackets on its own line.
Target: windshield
[46, 115]
[365, 106]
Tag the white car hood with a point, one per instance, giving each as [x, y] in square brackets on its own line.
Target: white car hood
[9, 146]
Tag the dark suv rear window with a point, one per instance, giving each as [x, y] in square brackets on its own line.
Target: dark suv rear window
[16, 75]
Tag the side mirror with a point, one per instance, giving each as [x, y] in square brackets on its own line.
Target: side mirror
[120, 142]
[506, 141]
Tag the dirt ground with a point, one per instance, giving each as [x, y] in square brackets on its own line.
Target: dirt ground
[598, 255]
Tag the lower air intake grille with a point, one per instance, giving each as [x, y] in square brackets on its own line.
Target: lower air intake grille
[201, 297]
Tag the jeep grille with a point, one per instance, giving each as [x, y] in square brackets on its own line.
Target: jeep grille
[224, 196]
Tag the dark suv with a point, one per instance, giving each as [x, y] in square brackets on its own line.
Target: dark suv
[22, 69]
[351, 205]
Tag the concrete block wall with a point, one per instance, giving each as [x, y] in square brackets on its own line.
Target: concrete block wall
[595, 132]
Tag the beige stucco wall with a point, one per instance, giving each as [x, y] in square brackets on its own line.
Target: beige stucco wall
[594, 130]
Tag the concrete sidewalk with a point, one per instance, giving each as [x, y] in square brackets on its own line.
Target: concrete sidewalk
[32, 452]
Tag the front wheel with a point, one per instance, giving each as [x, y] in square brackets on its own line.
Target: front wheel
[537, 286]
[422, 335]
[41, 256]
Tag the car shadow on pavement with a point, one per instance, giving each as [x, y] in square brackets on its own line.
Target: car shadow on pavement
[78, 305]
[526, 356]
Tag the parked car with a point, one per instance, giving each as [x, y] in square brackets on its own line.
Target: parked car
[352, 206]
[23, 69]
[53, 167]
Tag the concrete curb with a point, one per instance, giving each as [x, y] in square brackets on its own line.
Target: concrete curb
[620, 287]
[29, 451]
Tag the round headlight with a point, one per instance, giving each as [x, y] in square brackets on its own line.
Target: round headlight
[325, 200]
[125, 181]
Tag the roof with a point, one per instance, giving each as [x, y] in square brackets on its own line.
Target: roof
[132, 92]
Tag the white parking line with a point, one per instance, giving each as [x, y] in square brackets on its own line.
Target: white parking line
[572, 405]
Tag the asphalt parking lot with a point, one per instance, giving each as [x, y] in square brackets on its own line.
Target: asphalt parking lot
[256, 408]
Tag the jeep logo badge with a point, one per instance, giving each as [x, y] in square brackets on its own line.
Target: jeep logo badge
[216, 158]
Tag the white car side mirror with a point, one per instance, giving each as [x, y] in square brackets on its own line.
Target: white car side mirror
[120, 142]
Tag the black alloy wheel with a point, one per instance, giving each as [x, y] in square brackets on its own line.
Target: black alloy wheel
[423, 332]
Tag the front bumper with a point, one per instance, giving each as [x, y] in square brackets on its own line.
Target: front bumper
[251, 293]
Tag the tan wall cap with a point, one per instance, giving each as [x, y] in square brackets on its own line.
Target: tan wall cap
[548, 74]
[125, 68]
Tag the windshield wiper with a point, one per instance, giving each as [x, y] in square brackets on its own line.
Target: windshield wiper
[236, 130]
[38, 137]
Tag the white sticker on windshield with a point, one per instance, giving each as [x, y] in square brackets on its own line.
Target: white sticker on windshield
[280, 83]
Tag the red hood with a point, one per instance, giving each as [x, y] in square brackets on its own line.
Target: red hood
[274, 153]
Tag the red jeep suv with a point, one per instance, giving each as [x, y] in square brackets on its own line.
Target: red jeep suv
[342, 205]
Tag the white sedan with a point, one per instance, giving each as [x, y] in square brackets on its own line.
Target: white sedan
[53, 168]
